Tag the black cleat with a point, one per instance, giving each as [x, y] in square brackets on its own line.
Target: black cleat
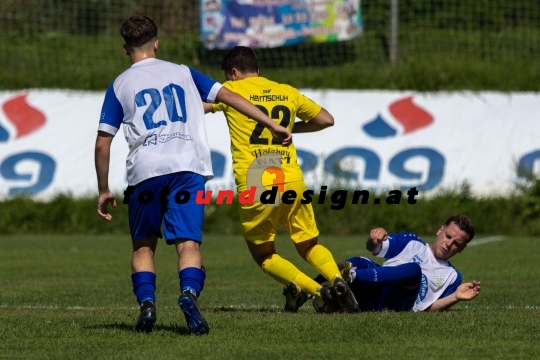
[294, 297]
[345, 268]
[147, 317]
[328, 302]
[345, 296]
[194, 317]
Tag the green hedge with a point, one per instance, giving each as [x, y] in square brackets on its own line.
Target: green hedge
[443, 45]
[103, 16]
[518, 214]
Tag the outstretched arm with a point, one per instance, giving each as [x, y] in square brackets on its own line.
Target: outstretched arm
[102, 156]
[248, 109]
[375, 239]
[464, 292]
[207, 107]
[321, 121]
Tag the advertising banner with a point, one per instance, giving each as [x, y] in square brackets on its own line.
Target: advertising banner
[380, 140]
[273, 23]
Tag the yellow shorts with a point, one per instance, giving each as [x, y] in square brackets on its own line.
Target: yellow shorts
[260, 222]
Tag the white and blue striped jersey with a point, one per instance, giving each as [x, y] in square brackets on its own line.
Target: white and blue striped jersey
[439, 278]
[160, 105]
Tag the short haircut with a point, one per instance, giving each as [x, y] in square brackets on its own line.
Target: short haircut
[464, 223]
[138, 30]
[242, 58]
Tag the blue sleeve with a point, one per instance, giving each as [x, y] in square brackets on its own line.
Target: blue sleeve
[453, 287]
[397, 242]
[112, 112]
[203, 83]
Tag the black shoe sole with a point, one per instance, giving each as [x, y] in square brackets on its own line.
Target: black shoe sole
[193, 314]
[346, 298]
[331, 302]
[146, 320]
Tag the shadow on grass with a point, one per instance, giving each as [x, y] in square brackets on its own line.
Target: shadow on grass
[177, 329]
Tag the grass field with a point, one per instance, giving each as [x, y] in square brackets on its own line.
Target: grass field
[70, 297]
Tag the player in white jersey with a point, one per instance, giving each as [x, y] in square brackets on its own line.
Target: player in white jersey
[414, 276]
[160, 107]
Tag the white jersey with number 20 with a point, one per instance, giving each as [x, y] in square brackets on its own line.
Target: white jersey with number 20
[160, 105]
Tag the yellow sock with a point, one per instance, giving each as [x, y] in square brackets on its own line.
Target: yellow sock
[284, 271]
[307, 284]
[322, 260]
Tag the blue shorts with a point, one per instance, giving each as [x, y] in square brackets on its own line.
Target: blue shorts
[168, 200]
[373, 296]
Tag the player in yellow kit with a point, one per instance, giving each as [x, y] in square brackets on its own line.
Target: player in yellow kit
[258, 160]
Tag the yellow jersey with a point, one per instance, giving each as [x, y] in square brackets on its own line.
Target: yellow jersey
[249, 140]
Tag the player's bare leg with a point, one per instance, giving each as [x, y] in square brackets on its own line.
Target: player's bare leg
[142, 258]
[189, 254]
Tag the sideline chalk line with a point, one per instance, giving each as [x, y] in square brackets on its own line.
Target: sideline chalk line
[487, 240]
[475, 242]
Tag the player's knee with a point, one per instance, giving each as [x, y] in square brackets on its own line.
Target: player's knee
[303, 248]
[145, 244]
[413, 273]
[261, 252]
[261, 258]
[187, 244]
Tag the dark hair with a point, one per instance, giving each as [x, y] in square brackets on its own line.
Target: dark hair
[242, 58]
[138, 30]
[464, 223]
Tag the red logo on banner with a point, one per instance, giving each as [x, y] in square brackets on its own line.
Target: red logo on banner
[24, 117]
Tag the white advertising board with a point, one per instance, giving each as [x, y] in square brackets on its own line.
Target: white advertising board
[381, 139]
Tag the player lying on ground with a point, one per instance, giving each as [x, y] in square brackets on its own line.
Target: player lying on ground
[414, 276]
[251, 145]
[159, 105]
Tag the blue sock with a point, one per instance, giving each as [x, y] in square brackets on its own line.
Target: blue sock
[405, 275]
[144, 286]
[192, 279]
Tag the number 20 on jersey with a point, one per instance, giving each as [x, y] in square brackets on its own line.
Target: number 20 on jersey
[171, 103]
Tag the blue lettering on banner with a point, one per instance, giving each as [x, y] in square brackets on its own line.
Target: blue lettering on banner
[218, 163]
[332, 164]
[396, 166]
[47, 168]
[309, 160]
[526, 163]
[435, 172]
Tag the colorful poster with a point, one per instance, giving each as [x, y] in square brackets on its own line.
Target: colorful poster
[274, 23]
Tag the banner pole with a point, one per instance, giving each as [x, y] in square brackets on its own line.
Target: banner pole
[394, 25]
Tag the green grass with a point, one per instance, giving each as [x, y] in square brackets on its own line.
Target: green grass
[70, 297]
